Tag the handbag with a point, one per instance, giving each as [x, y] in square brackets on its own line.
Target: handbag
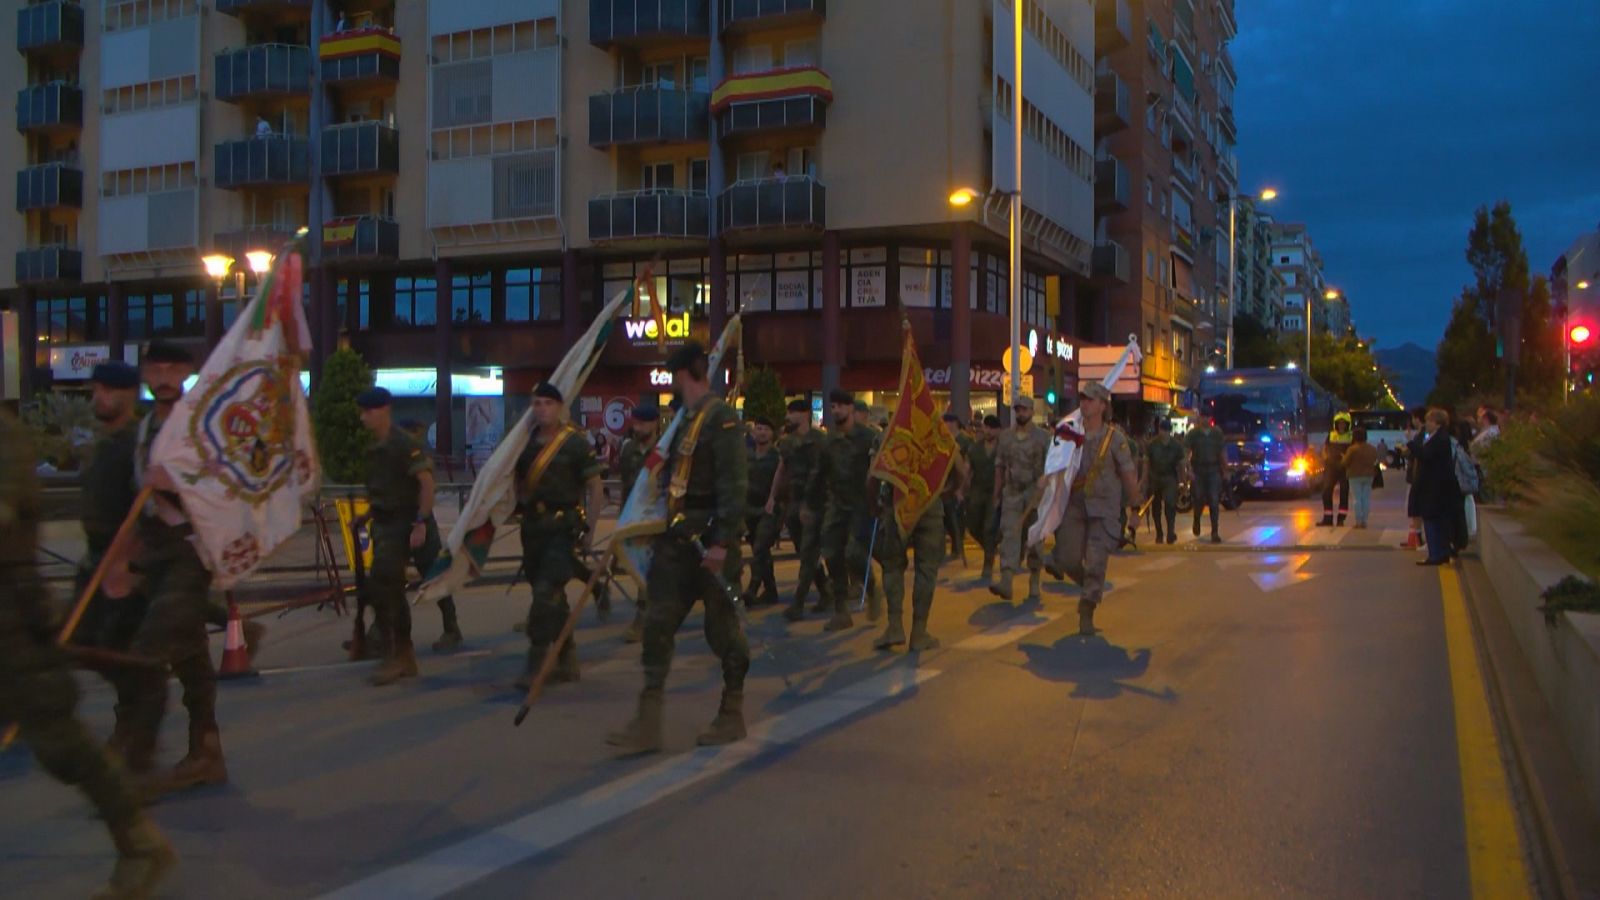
[1377, 476]
[1472, 516]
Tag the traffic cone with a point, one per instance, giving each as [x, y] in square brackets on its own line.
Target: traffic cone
[235, 658]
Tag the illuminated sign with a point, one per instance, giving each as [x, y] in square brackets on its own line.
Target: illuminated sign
[77, 363]
[981, 378]
[642, 330]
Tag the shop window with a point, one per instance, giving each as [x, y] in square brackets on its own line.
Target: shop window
[533, 295]
[194, 312]
[415, 302]
[161, 315]
[471, 299]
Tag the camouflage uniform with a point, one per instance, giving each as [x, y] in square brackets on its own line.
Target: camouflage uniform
[1166, 467]
[1019, 461]
[802, 457]
[847, 527]
[762, 526]
[1206, 452]
[553, 525]
[926, 540]
[954, 516]
[980, 502]
[109, 489]
[393, 494]
[630, 461]
[1087, 534]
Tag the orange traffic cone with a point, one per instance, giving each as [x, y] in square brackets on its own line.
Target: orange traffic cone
[235, 658]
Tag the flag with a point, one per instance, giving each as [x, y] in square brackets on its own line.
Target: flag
[644, 514]
[494, 493]
[918, 451]
[238, 447]
[1065, 455]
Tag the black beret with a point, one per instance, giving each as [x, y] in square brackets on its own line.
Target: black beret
[165, 352]
[646, 414]
[844, 397]
[761, 420]
[800, 406]
[115, 374]
[685, 356]
[951, 417]
[548, 391]
[1165, 425]
[991, 421]
[374, 398]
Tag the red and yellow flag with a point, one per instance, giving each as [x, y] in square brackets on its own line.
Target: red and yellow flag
[918, 451]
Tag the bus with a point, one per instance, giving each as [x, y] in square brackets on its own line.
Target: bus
[1275, 420]
[1386, 430]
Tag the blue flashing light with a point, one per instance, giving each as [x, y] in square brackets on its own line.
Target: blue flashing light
[1266, 438]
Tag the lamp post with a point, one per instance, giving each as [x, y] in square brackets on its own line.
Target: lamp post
[217, 266]
[1267, 195]
[964, 197]
[1329, 294]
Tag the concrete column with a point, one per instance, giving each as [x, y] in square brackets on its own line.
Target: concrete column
[572, 323]
[117, 319]
[214, 317]
[718, 314]
[27, 344]
[832, 315]
[961, 321]
[443, 340]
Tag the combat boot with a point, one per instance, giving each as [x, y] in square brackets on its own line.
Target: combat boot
[1086, 618]
[254, 633]
[400, 663]
[841, 620]
[643, 733]
[920, 638]
[728, 726]
[1001, 587]
[144, 859]
[894, 633]
[1341, 519]
[1033, 587]
[450, 640]
[204, 765]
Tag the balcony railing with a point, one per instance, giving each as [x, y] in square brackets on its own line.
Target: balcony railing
[650, 214]
[1111, 185]
[793, 98]
[240, 7]
[360, 148]
[789, 202]
[362, 55]
[263, 70]
[53, 25]
[751, 14]
[795, 113]
[44, 265]
[55, 106]
[649, 115]
[361, 237]
[639, 22]
[1111, 104]
[50, 186]
[262, 161]
[1113, 25]
[1111, 261]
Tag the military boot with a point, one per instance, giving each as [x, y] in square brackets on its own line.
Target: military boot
[894, 633]
[874, 601]
[1086, 618]
[643, 733]
[987, 575]
[450, 640]
[920, 638]
[841, 620]
[400, 663]
[1001, 587]
[1341, 519]
[144, 858]
[1033, 587]
[566, 670]
[254, 634]
[728, 726]
[204, 765]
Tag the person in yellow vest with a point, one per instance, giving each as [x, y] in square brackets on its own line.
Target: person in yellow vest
[1333, 471]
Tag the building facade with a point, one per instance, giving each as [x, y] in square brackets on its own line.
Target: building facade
[1299, 265]
[478, 176]
[1260, 287]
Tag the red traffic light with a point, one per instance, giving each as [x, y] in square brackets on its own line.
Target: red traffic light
[1580, 334]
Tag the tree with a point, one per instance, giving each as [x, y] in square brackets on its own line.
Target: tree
[341, 439]
[1468, 371]
[763, 395]
[1256, 347]
[1346, 368]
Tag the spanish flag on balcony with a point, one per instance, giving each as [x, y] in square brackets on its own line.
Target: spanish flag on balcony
[358, 41]
[778, 84]
[338, 232]
[918, 451]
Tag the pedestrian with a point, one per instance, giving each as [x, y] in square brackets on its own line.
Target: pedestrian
[1360, 464]
[926, 541]
[643, 433]
[762, 515]
[1416, 436]
[37, 690]
[263, 127]
[1464, 523]
[955, 497]
[1107, 483]
[697, 557]
[1207, 458]
[1488, 431]
[1333, 472]
[1019, 466]
[847, 524]
[1435, 492]
[425, 555]
[981, 493]
[800, 455]
[559, 493]
[1166, 459]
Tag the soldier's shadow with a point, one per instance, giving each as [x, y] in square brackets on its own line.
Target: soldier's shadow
[1098, 669]
[1006, 612]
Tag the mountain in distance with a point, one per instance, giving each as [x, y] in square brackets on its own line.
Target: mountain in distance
[1412, 371]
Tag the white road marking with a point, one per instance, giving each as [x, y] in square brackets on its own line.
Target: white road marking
[1258, 536]
[1159, 564]
[1324, 537]
[1288, 575]
[1008, 632]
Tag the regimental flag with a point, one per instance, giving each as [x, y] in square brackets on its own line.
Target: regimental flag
[493, 500]
[917, 451]
[644, 514]
[238, 446]
[1065, 456]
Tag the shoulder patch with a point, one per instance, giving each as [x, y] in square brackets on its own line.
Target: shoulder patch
[729, 424]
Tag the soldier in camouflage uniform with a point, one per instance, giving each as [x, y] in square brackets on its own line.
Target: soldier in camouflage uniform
[954, 511]
[556, 505]
[426, 554]
[762, 514]
[926, 540]
[981, 493]
[37, 690]
[641, 439]
[1107, 476]
[1207, 456]
[1019, 464]
[108, 493]
[697, 557]
[801, 453]
[1166, 470]
[847, 526]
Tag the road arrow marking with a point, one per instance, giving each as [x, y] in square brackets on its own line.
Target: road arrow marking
[1287, 576]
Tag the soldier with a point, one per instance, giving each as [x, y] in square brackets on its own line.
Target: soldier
[842, 478]
[1206, 449]
[558, 491]
[642, 437]
[37, 690]
[801, 454]
[762, 514]
[1019, 465]
[981, 493]
[696, 557]
[861, 414]
[955, 500]
[424, 556]
[1166, 459]
[1106, 477]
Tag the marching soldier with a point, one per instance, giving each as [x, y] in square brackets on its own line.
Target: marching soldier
[37, 690]
[696, 557]
[108, 494]
[558, 490]
[762, 514]
[846, 527]
[641, 439]
[801, 454]
[981, 493]
[1166, 470]
[1019, 464]
[1206, 458]
[1107, 477]
[425, 555]
[926, 540]
[954, 500]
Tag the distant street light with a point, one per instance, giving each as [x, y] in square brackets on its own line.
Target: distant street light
[962, 197]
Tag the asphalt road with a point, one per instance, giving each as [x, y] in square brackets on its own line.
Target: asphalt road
[1277, 718]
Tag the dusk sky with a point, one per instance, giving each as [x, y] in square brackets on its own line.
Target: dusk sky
[1385, 123]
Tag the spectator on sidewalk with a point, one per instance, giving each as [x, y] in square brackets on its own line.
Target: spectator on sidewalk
[1434, 493]
[1361, 466]
[1416, 434]
[1488, 431]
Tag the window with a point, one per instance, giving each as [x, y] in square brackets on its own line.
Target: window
[800, 53]
[161, 315]
[470, 299]
[415, 301]
[700, 74]
[754, 58]
[700, 175]
[1150, 190]
[359, 293]
[1151, 336]
[802, 161]
[753, 166]
[1150, 264]
[533, 295]
[656, 177]
[664, 75]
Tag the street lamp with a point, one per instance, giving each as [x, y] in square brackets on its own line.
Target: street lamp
[963, 197]
[1329, 294]
[1267, 195]
[217, 265]
[260, 261]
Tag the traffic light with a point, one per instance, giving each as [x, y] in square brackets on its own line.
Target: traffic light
[1579, 335]
[1050, 397]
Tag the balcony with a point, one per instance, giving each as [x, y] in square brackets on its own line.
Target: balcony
[639, 23]
[1225, 120]
[1111, 186]
[262, 71]
[790, 202]
[360, 148]
[359, 57]
[50, 186]
[645, 215]
[782, 100]
[47, 265]
[1113, 26]
[648, 115]
[262, 7]
[56, 106]
[263, 161]
[750, 15]
[361, 238]
[239, 241]
[44, 28]
[1111, 104]
[1110, 261]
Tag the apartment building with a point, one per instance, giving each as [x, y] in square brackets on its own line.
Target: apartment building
[1260, 287]
[1298, 263]
[1164, 173]
[477, 176]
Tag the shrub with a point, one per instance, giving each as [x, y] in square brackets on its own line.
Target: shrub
[63, 427]
[763, 396]
[1569, 594]
[342, 441]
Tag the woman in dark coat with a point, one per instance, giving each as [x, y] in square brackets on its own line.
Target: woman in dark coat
[1435, 494]
[1418, 435]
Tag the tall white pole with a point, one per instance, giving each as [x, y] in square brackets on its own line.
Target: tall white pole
[1016, 204]
[1233, 277]
[1308, 334]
